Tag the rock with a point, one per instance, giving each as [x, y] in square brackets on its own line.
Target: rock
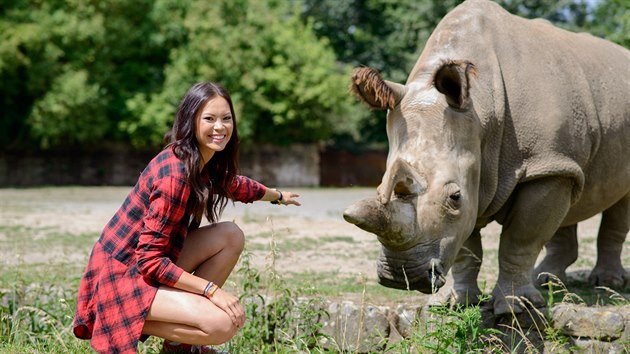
[595, 346]
[581, 321]
[356, 329]
[300, 324]
[407, 316]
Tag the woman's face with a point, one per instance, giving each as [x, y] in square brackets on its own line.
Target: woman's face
[214, 127]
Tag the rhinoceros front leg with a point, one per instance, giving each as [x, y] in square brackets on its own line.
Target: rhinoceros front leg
[465, 270]
[613, 229]
[538, 208]
[561, 252]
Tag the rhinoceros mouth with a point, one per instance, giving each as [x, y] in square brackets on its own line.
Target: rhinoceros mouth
[403, 270]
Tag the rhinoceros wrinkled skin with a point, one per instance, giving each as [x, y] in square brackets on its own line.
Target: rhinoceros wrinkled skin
[507, 119]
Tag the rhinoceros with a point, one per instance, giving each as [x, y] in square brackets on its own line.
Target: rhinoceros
[501, 119]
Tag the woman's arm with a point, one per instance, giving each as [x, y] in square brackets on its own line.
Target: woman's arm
[281, 197]
[247, 190]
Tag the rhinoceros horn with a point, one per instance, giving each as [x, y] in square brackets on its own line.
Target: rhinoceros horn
[393, 221]
[368, 214]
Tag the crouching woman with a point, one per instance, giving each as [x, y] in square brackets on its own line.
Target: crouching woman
[154, 271]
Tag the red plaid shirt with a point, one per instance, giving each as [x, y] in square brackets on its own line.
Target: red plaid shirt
[137, 251]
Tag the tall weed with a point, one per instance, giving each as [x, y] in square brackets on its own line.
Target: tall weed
[278, 319]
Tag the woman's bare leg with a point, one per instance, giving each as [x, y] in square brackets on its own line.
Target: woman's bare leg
[211, 252]
[185, 317]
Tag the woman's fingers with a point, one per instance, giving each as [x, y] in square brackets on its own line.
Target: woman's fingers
[230, 304]
[239, 314]
[290, 199]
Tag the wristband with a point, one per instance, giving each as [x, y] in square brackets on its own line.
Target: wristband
[279, 199]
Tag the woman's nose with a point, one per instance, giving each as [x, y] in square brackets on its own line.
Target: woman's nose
[218, 125]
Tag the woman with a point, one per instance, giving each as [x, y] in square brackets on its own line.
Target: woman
[154, 271]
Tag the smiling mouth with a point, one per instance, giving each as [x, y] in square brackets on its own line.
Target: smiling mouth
[217, 138]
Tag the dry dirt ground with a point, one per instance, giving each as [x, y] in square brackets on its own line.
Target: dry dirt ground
[48, 225]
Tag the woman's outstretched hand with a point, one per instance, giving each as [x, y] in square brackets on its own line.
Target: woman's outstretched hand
[289, 198]
[230, 304]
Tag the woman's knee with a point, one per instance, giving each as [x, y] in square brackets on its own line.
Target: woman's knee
[218, 329]
[235, 238]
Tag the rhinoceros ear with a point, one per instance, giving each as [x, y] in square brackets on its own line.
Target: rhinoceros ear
[368, 85]
[453, 80]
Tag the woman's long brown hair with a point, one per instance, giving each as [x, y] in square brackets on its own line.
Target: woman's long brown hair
[209, 195]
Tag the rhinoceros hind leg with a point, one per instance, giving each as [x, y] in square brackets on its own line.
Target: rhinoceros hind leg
[465, 270]
[613, 229]
[561, 252]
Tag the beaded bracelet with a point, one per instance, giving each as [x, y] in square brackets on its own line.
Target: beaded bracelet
[207, 289]
[212, 290]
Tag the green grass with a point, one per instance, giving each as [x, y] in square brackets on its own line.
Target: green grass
[333, 285]
[260, 242]
[36, 308]
[37, 297]
[37, 304]
[31, 239]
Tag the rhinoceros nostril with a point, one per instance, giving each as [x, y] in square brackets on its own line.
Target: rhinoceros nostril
[350, 218]
[436, 279]
[434, 275]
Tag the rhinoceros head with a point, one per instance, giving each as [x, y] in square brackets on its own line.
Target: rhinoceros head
[426, 204]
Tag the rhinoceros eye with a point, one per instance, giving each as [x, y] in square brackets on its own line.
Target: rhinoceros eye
[452, 198]
[455, 200]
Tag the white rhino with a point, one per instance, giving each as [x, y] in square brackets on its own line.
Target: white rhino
[507, 119]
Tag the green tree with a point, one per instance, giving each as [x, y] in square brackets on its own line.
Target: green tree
[77, 73]
[569, 14]
[611, 20]
[285, 83]
[68, 68]
[70, 112]
[37, 47]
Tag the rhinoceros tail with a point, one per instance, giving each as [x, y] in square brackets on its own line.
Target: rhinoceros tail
[368, 85]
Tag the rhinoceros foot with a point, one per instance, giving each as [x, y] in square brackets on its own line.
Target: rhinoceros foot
[526, 296]
[549, 274]
[611, 277]
[449, 296]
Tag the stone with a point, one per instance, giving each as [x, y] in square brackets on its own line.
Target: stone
[580, 321]
[354, 328]
[595, 346]
[407, 318]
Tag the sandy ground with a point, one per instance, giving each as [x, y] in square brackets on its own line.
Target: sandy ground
[310, 239]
